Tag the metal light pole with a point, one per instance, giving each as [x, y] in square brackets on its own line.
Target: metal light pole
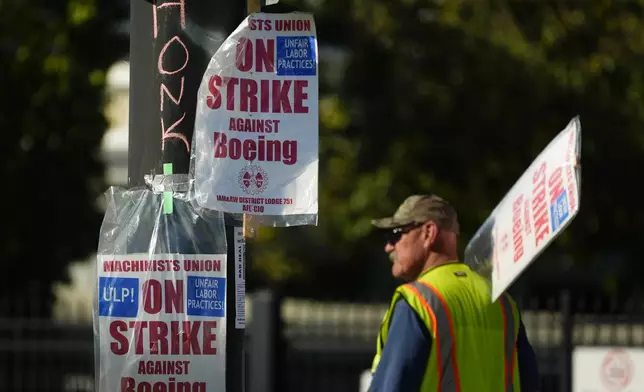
[171, 43]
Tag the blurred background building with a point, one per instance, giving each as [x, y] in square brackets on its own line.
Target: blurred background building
[468, 92]
[74, 299]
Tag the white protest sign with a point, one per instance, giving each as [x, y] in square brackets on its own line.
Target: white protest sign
[532, 214]
[162, 323]
[365, 380]
[255, 147]
[607, 369]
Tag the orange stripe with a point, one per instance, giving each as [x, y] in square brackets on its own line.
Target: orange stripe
[505, 334]
[514, 357]
[439, 365]
[451, 331]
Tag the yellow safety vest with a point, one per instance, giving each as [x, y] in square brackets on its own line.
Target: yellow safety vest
[473, 340]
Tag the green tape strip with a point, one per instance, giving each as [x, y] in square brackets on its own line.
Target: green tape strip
[168, 205]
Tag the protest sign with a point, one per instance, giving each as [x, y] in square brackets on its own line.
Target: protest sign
[255, 145]
[532, 214]
[162, 322]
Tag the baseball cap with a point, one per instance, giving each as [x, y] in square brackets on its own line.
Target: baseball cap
[418, 209]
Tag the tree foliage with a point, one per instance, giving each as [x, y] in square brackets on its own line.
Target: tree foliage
[54, 55]
[457, 98]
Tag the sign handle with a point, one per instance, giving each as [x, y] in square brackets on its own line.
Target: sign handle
[253, 6]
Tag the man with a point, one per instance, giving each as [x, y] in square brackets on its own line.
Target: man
[442, 333]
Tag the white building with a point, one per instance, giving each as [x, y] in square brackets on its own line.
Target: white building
[74, 300]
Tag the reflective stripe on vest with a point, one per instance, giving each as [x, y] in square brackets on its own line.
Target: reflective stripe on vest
[510, 346]
[443, 330]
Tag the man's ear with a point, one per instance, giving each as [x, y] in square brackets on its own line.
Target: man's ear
[430, 232]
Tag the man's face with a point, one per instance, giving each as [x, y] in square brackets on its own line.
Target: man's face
[408, 248]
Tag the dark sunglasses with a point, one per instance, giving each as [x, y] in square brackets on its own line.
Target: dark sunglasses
[393, 236]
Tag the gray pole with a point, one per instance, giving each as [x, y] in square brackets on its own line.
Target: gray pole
[171, 43]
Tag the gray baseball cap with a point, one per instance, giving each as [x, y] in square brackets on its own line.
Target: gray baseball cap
[420, 209]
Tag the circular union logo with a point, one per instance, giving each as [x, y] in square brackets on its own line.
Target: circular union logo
[617, 370]
[253, 179]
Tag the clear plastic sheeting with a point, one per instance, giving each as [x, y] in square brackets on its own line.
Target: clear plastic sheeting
[255, 144]
[160, 301]
[540, 205]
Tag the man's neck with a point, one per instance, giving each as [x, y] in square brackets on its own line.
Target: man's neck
[436, 259]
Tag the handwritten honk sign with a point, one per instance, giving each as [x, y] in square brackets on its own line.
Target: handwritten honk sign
[162, 322]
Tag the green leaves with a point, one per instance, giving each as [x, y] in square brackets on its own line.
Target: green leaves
[457, 98]
[54, 54]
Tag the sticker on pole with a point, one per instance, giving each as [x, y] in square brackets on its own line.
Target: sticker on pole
[255, 145]
[161, 322]
[532, 214]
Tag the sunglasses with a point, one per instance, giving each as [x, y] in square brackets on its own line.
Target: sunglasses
[393, 236]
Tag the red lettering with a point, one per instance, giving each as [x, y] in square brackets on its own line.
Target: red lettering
[163, 367]
[174, 296]
[191, 337]
[260, 24]
[265, 54]
[158, 337]
[248, 95]
[536, 177]
[202, 265]
[175, 333]
[539, 204]
[139, 327]
[221, 150]
[129, 384]
[249, 148]
[262, 55]
[209, 337]
[153, 293]
[152, 296]
[253, 125]
[213, 101]
[177, 338]
[293, 25]
[517, 232]
[141, 265]
[265, 96]
[234, 148]
[526, 217]
[120, 346]
[260, 149]
[300, 96]
[230, 92]
[244, 55]
[555, 183]
[281, 103]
